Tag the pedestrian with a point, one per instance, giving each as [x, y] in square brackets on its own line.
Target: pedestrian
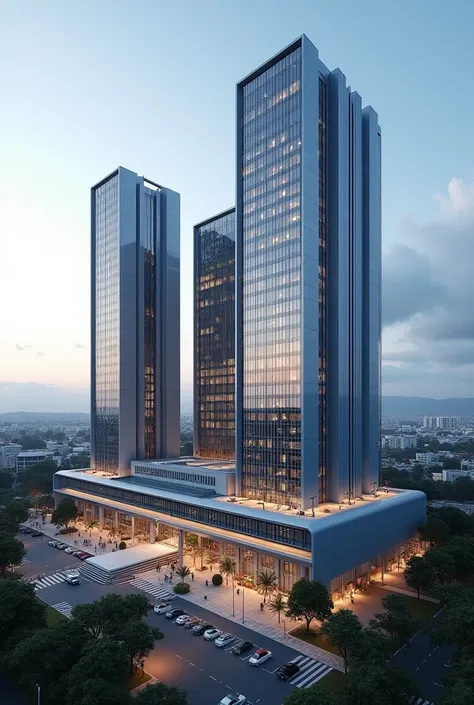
[158, 568]
[166, 578]
[192, 576]
[211, 567]
[79, 533]
[95, 549]
[100, 538]
[261, 607]
[207, 583]
[205, 596]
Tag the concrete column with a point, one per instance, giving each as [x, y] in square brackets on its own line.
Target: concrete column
[101, 518]
[116, 520]
[133, 527]
[255, 566]
[180, 546]
[152, 531]
[238, 561]
[278, 572]
[221, 550]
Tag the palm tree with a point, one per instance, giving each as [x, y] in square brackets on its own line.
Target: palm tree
[266, 583]
[182, 571]
[227, 567]
[277, 605]
[91, 524]
[114, 533]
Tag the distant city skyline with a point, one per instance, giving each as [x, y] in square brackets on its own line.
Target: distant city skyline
[58, 146]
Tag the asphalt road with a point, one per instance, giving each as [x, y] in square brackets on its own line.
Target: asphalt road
[426, 662]
[206, 672]
[41, 558]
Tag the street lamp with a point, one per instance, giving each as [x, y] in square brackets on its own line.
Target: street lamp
[38, 693]
[243, 606]
[233, 597]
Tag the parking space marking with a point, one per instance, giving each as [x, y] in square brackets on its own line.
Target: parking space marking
[271, 672]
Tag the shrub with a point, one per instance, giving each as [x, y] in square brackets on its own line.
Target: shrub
[217, 579]
[69, 530]
[182, 588]
[122, 545]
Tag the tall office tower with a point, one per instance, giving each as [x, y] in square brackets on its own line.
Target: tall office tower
[308, 238]
[135, 342]
[214, 337]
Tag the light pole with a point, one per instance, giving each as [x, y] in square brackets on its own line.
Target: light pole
[243, 606]
[38, 693]
[233, 597]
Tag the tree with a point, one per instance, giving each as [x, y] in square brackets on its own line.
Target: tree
[12, 551]
[435, 531]
[32, 442]
[308, 600]
[16, 511]
[266, 583]
[65, 512]
[379, 683]
[91, 524]
[457, 626]
[100, 674]
[396, 621]
[315, 695]
[161, 694]
[461, 550]
[463, 489]
[343, 630]
[277, 605]
[6, 480]
[105, 616]
[442, 563]
[458, 522]
[227, 567]
[20, 612]
[458, 692]
[451, 464]
[138, 639]
[182, 571]
[38, 479]
[419, 574]
[192, 544]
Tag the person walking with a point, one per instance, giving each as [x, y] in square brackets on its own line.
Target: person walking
[192, 577]
[261, 607]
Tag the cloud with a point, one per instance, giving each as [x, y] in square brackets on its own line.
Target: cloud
[20, 348]
[428, 290]
[79, 346]
[40, 354]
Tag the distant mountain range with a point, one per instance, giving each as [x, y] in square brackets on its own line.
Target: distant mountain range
[414, 408]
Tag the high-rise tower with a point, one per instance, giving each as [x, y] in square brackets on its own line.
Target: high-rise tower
[308, 284]
[134, 321]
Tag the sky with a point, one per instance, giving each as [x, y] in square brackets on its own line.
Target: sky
[87, 86]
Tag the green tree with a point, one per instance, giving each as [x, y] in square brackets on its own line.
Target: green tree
[343, 630]
[12, 551]
[458, 522]
[182, 571]
[138, 639]
[451, 464]
[277, 605]
[32, 442]
[161, 694]
[457, 626]
[461, 550]
[419, 574]
[308, 600]
[65, 512]
[192, 545]
[378, 683]
[266, 583]
[105, 616]
[316, 695]
[435, 531]
[227, 567]
[16, 511]
[442, 563]
[91, 524]
[396, 620]
[6, 480]
[463, 489]
[458, 692]
[38, 479]
[99, 676]
[20, 612]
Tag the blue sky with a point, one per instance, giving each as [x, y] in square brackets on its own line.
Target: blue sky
[87, 86]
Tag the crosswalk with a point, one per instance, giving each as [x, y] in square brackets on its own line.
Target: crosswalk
[152, 589]
[64, 608]
[420, 701]
[49, 580]
[310, 672]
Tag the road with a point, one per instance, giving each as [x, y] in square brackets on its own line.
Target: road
[206, 672]
[426, 662]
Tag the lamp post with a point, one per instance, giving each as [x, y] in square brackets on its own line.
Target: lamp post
[38, 693]
[243, 606]
[233, 597]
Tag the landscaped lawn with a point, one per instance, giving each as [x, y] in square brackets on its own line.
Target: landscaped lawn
[137, 679]
[333, 681]
[312, 637]
[422, 610]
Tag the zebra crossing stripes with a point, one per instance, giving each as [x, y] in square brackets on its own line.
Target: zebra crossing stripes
[49, 580]
[64, 608]
[310, 672]
[420, 701]
[152, 589]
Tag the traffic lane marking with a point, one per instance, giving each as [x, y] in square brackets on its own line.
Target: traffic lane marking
[271, 672]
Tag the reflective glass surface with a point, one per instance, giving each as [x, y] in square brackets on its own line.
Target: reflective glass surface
[271, 295]
[215, 338]
[322, 148]
[106, 326]
[149, 331]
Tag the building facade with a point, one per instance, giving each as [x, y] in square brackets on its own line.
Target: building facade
[308, 219]
[135, 383]
[27, 458]
[214, 337]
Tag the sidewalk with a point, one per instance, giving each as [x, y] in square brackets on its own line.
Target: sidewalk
[76, 539]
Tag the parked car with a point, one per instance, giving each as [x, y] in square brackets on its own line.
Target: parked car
[192, 622]
[162, 608]
[259, 657]
[199, 629]
[83, 555]
[27, 530]
[61, 546]
[241, 647]
[69, 549]
[211, 634]
[183, 619]
[287, 670]
[76, 553]
[72, 579]
[53, 543]
[36, 533]
[172, 614]
[232, 699]
[224, 640]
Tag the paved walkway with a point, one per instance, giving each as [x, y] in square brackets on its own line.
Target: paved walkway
[142, 686]
[410, 593]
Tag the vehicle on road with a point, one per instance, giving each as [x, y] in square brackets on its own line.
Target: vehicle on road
[192, 622]
[224, 639]
[259, 657]
[37, 533]
[76, 553]
[72, 579]
[69, 549]
[53, 543]
[211, 634]
[287, 670]
[183, 619]
[233, 699]
[27, 530]
[241, 647]
[61, 546]
[162, 608]
[199, 629]
[172, 614]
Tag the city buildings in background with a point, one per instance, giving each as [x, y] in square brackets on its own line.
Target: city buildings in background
[443, 423]
[214, 337]
[302, 497]
[135, 304]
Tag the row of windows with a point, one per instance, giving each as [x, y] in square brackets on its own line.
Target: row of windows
[287, 535]
[175, 475]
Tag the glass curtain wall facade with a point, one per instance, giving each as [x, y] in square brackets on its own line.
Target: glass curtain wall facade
[134, 322]
[214, 337]
[307, 232]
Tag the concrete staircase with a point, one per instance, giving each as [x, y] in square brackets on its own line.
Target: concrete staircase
[122, 575]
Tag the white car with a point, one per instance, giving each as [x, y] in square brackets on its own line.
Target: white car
[260, 657]
[232, 699]
[182, 619]
[224, 640]
[163, 608]
[69, 549]
[211, 634]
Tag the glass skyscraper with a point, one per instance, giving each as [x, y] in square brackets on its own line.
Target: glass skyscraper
[214, 337]
[308, 284]
[134, 321]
